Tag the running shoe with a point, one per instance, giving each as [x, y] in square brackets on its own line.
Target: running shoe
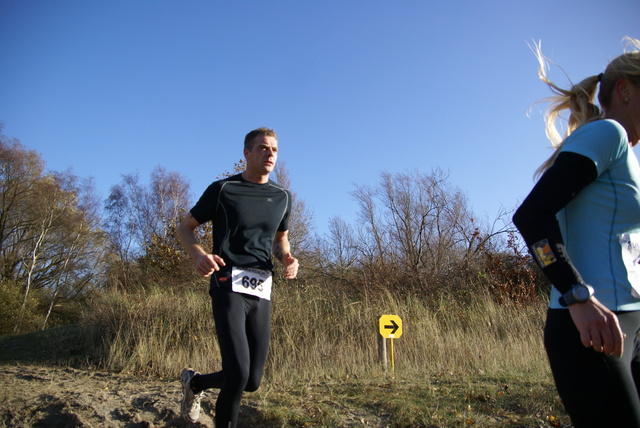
[190, 408]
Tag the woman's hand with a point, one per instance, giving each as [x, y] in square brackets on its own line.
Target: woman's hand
[598, 326]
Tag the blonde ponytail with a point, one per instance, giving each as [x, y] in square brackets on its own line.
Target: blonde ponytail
[579, 100]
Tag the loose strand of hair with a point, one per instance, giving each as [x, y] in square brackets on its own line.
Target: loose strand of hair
[579, 101]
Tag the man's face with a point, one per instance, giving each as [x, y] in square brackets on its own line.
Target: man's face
[261, 159]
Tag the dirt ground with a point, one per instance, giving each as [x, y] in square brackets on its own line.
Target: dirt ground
[33, 396]
[40, 387]
[56, 397]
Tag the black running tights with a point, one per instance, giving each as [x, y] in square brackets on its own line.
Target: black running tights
[596, 390]
[243, 326]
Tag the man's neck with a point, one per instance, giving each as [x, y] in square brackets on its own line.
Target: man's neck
[255, 178]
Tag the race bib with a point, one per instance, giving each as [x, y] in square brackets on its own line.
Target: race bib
[630, 243]
[255, 282]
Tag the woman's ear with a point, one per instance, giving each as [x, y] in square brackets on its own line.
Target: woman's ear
[624, 89]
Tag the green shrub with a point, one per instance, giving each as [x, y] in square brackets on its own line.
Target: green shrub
[13, 317]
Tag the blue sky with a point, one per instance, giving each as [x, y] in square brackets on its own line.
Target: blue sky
[352, 87]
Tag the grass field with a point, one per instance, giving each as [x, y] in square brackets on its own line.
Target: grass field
[472, 364]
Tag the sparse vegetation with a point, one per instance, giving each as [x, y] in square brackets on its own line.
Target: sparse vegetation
[478, 364]
[319, 333]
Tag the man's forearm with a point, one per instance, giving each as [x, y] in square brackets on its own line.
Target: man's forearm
[280, 249]
[187, 238]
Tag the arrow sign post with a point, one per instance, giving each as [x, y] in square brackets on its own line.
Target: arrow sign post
[390, 327]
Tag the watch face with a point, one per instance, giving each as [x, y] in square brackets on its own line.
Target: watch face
[581, 293]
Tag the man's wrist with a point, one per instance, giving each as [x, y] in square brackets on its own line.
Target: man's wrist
[579, 293]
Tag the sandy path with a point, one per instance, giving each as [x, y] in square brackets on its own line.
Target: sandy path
[32, 396]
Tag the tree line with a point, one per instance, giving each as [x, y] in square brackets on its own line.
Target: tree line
[60, 243]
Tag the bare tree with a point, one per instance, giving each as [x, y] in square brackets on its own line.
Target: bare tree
[414, 231]
[141, 223]
[168, 199]
[80, 248]
[125, 209]
[43, 215]
[301, 218]
[336, 254]
[20, 171]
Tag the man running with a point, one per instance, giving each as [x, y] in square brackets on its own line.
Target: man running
[250, 214]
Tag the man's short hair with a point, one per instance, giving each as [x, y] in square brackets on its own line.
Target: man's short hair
[265, 132]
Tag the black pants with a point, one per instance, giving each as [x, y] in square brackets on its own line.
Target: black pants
[243, 326]
[596, 390]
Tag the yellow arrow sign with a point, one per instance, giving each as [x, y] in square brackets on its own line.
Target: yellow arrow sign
[390, 326]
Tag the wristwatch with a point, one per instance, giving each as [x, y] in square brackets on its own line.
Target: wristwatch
[579, 293]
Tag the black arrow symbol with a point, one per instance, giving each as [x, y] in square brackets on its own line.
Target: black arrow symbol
[394, 326]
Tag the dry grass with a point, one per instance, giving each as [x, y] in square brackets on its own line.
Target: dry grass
[318, 333]
[478, 363]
